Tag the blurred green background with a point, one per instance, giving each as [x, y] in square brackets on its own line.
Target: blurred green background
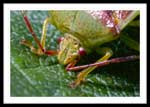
[33, 75]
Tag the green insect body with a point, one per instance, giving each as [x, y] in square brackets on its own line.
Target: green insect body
[88, 31]
[84, 30]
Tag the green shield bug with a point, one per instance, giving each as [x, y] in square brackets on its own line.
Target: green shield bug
[83, 32]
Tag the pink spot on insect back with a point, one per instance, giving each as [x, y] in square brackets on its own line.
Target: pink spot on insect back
[122, 14]
[109, 17]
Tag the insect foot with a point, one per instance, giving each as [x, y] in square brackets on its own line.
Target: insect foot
[80, 78]
[76, 83]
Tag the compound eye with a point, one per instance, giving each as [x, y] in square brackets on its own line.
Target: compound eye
[59, 39]
[81, 51]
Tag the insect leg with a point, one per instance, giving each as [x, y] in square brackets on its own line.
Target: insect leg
[43, 38]
[82, 75]
[71, 65]
[106, 62]
[41, 50]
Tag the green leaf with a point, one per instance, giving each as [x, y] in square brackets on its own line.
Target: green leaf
[33, 75]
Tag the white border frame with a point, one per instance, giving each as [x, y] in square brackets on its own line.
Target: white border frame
[143, 64]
